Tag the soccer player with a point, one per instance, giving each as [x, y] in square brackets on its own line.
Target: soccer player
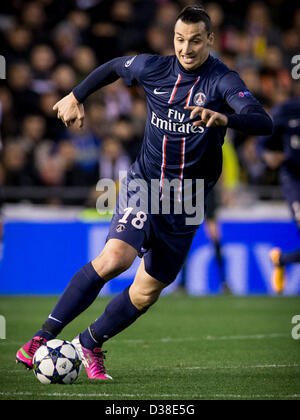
[191, 98]
[282, 150]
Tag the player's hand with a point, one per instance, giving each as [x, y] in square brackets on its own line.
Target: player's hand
[208, 117]
[274, 159]
[70, 111]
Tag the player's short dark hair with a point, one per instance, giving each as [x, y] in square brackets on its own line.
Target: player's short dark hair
[194, 14]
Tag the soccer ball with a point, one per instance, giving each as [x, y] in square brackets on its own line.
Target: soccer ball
[57, 362]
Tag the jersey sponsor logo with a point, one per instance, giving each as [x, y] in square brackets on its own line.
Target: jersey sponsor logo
[130, 61]
[199, 99]
[157, 91]
[175, 127]
[245, 94]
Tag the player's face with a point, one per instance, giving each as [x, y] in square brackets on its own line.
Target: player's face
[192, 44]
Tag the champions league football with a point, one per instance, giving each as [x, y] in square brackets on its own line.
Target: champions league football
[57, 362]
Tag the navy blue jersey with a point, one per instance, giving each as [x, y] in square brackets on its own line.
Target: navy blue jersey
[172, 147]
[286, 135]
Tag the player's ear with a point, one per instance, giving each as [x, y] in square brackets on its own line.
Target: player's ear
[211, 39]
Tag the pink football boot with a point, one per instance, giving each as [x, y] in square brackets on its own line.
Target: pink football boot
[25, 354]
[92, 361]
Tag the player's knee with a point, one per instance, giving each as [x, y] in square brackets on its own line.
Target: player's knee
[112, 263]
[142, 299]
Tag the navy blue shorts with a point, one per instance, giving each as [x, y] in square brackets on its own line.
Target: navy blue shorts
[164, 251]
[291, 190]
[163, 240]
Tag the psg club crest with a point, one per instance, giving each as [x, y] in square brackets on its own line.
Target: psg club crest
[200, 99]
[120, 228]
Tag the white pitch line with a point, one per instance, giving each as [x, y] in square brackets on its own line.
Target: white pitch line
[206, 338]
[246, 337]
[240, 367]
[183, 339]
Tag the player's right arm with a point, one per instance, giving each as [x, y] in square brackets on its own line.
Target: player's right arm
[70, 108]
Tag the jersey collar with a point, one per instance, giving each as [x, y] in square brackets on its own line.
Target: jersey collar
[195, 72]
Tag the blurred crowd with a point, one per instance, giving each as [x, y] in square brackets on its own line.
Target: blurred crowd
[51, 45]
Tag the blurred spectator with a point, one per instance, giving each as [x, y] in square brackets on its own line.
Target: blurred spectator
[157, 39]
[86, 153]
[15, 165]
[245, 53]
[42, 63]
[123, 130]
[33, 17]
[81, 22]
[139, 117]
[113, 159]
[8, 125]
[55, 129]
[260, 29]
[117, 100]
[166, 15]
[84, 62]
[216, 14]
[64, 79]
[252, 165]
[65, 40]
[49, 164]
[273, 75]
[19, 40]
[96, 119]
[20, 83]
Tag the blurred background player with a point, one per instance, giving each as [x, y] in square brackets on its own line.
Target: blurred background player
[1, 193]
[213, 231]
[282, 150]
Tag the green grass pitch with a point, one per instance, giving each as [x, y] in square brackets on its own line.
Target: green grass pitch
[184, 348]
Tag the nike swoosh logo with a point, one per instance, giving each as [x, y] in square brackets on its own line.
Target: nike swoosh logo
[158, 92]
[54, 319]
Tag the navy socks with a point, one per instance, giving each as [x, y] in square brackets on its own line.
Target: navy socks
[118, 315]
[81, 292]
